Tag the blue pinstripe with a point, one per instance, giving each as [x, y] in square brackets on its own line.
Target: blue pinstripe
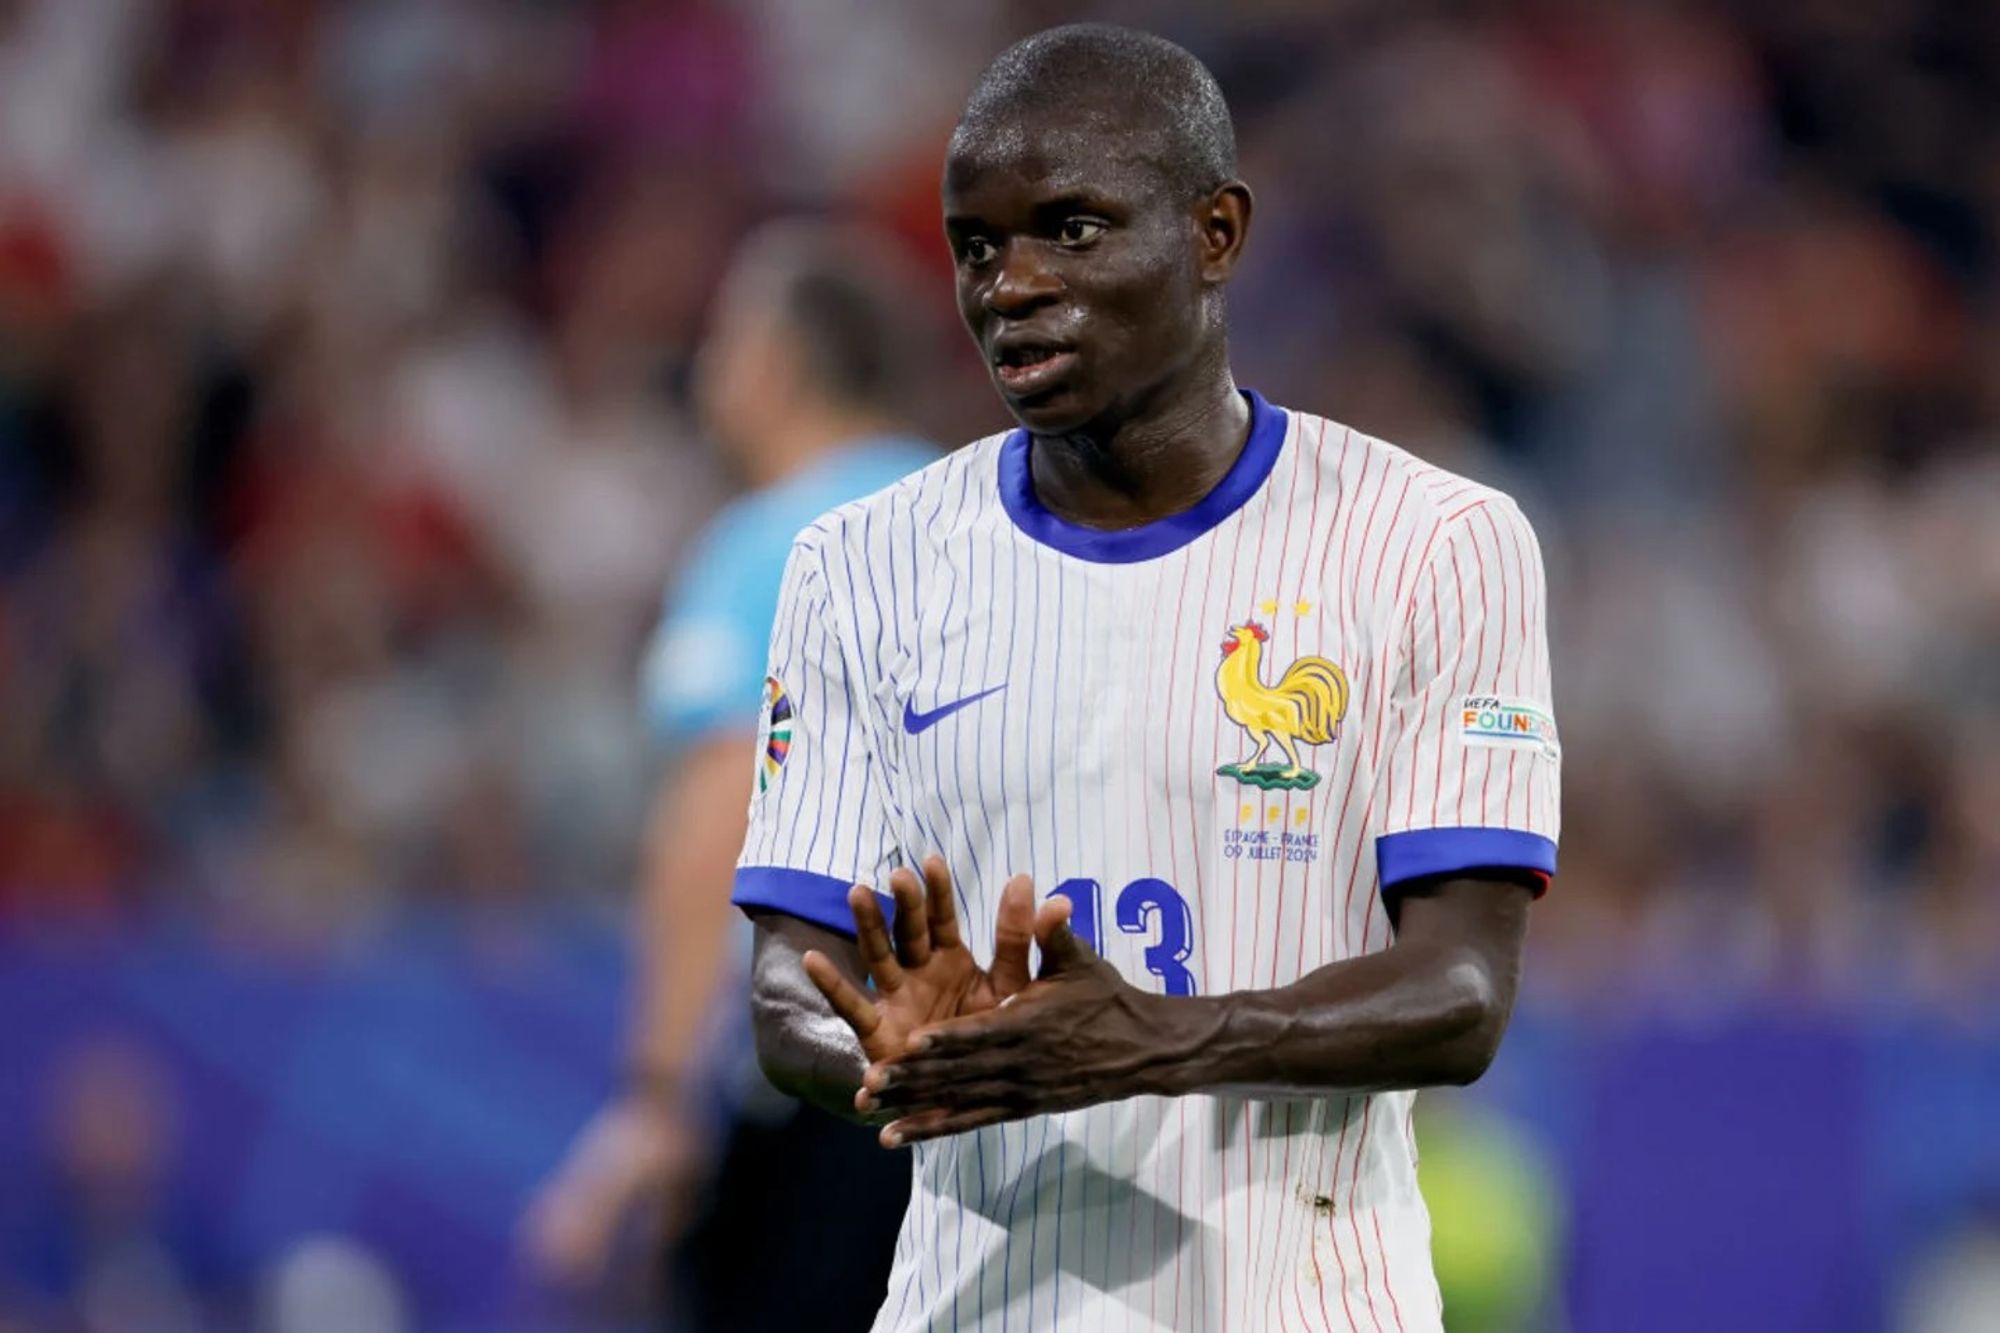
[1056, 855]
[819, 807]
[1041, 1152]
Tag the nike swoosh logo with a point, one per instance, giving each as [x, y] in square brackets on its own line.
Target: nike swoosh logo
[917, 723]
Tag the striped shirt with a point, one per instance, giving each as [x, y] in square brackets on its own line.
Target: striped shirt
[1222, 735]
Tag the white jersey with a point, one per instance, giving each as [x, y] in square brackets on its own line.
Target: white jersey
[1222, 735]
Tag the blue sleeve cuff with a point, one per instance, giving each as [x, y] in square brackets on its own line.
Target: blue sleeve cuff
[1445, 851]
[805, 894]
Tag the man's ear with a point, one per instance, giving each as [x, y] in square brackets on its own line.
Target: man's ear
[1224, 219]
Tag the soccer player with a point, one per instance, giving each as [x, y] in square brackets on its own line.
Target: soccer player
[800, 376]
[1240, 716]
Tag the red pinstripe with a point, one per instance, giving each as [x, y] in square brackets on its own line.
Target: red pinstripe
[1319, 646]
[1294, 459]
[1180, 1106]
[1347, 503]
[1478, 666]
[1201, 895]
[1374, 906]
[1146, 815]
[1394, 1305]
[1522, 665]
[1353, 1187]
[1423, 720]
[1306, 900]
[1236, 917]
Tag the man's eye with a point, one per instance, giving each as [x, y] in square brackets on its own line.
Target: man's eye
[976, 250]
[1079, 231]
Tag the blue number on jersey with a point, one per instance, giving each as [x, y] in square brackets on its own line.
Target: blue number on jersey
[1143, 905]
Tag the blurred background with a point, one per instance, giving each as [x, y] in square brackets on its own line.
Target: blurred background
[346, 450]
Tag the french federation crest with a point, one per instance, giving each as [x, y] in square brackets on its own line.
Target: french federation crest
[774, 732]
[1305, 707]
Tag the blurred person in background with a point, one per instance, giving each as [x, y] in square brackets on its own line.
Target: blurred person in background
[109, 1237]
[814, 344]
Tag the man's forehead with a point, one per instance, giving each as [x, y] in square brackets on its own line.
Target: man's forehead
[1084, 147]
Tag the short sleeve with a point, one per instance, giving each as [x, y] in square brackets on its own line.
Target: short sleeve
[1473, 775]
[817, 817]
[703, 670]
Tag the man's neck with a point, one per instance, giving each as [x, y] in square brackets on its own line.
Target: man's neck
[1149, 466]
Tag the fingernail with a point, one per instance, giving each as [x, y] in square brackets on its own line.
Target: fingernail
[892, 1137]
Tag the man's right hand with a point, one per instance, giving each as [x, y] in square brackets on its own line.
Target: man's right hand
[634, 1163]
[926, 974]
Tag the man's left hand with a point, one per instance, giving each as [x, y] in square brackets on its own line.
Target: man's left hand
[1078, 1035]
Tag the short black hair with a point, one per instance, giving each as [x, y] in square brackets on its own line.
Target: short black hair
[1172, 90]
[854, 305]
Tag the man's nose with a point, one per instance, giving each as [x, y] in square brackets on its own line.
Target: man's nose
[1023, 283]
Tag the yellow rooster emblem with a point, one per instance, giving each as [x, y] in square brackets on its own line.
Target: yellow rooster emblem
[1305, 706]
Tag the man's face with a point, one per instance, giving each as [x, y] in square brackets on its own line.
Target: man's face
[1079, 272]
[744, 369]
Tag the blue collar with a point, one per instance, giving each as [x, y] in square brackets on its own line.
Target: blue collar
[1124, 546]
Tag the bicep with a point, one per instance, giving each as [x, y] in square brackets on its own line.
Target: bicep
[805, 1049]
[1470, 774]
[777, 968]
[1481, 920]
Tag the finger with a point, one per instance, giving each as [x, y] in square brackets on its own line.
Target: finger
[1001, 1093]
[871, 933]
[913, 922]
[1062, 948]
[987, 1104]
[1013, 1024]
[899, 1100]
[992, 1076]
[855, 1008]
[1013, 930]
[944, 912]
[940, 1125]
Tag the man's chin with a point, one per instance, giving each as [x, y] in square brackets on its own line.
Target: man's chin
[1057, 411]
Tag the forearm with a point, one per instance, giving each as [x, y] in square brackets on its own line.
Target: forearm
[686, 921]
[803, 1047]
[1429, 1010]
[807, 1052]
[1411, 1017]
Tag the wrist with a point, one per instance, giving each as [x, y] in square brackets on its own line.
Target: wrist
[1205, 1046]
[1187, 1027]
[655, 1090]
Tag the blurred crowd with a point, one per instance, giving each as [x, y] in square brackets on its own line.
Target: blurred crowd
[345, 447]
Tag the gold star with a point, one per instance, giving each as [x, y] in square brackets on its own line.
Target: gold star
[1302, 608]
[1247, 811]
[1272, 812]
[1300, 815]
[1268, 608]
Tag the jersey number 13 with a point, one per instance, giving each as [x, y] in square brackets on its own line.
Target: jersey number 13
[1149, 907]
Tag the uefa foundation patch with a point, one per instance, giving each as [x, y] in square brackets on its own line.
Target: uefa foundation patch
[1495, 722]
[774, 732]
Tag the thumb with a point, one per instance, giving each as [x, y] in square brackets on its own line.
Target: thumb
[1062, 948]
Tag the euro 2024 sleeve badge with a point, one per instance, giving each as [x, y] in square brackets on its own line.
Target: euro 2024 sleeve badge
[774, 733]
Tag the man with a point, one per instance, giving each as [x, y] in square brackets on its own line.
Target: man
[1258, 705]
[814, 345]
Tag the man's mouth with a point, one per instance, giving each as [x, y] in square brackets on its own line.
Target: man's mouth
[1024, 369]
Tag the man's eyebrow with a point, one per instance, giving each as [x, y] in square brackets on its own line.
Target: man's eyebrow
[1072, 201]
